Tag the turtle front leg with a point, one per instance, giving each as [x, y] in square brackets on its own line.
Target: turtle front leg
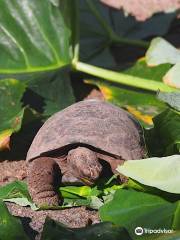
[43, 178]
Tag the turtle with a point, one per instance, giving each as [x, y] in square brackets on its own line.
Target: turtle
[72, 145]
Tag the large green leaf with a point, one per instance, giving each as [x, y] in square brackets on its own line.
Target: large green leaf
[100, 27]
[131, 209]
[56, 91]
[10, 227]
[162, 173]
[94, 46]
[34, 36]
[12, 115]
[102, 231]
[167, 128]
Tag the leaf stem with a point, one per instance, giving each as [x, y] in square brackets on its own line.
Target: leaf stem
[133, 42]
[122, 78]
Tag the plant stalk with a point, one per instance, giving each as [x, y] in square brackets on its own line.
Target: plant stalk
[122, 78]
[126, 41]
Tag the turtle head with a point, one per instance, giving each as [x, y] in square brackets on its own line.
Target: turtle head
[84, 164]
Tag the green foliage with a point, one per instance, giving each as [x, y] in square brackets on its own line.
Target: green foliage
[167, 128]
[160, 52]
[101, 27]
[16, 192]
[131, 209]
[101, 231]
[39, 45]
[34, 37]
[56, 91]
[12, 115]
[10, 226]
[162, 173]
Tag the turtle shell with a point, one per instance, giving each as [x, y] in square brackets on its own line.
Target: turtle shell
[96, 123]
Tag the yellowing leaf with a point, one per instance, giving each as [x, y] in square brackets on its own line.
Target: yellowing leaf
[107, 93]
[5, 139]
[143, 117]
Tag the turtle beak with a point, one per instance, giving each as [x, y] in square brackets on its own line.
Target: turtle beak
[87, 181]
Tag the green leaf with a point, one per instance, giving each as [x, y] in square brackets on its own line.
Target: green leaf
[131, 209]
[101, 27]
[56, 91]
[167, 128]
[17, 192]
[102, 231]
[129, 27]
[162, 173]
[172, 76]
[160, 52]
[81, 196]
[34, 37]
[172, 99]
[176, 220]
[79, 191]
[94, 46]
[175, 235]
[10, 227]
[12, 115]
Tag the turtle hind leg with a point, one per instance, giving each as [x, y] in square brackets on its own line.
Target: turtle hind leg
[43, 180]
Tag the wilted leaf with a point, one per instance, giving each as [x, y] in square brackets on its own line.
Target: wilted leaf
[162, 173]
[131, 209]
[172, 76]
[160, 52]
[102, 231]
[172, 99]
[56, 91]
[10, 227]
[34, 37]
[167, 129]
